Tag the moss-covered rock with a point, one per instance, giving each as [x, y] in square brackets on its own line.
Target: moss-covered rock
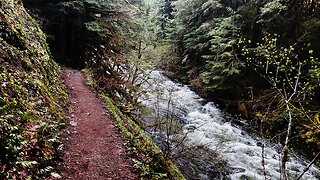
[31, 96]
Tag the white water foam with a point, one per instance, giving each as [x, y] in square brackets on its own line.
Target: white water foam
[205, 125]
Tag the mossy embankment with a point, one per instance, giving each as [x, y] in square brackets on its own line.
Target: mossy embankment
[32, 96]
[147, 156]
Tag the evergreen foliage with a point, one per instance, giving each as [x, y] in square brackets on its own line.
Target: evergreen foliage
[80, 27]
[208, 34]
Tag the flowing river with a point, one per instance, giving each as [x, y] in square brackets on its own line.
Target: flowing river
[204, 125]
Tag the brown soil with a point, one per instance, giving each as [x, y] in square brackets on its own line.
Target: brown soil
[93, 147]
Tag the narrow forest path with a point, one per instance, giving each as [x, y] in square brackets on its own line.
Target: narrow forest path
[93, 148]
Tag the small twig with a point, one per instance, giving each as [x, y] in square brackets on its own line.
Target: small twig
[263, 163]
[309, 165]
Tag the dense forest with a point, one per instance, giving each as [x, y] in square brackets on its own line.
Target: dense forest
[257, 60]
[260, 54]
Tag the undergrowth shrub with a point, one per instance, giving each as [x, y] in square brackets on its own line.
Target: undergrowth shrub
[31, 97]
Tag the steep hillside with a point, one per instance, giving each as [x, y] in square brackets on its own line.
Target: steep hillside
[31, 96]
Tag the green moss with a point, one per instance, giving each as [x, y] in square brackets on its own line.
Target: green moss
[32, 98]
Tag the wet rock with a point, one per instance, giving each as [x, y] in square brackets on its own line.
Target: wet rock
[259, 143]
[244, 177]
[234, 170]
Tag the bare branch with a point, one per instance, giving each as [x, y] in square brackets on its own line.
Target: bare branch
[308, 167]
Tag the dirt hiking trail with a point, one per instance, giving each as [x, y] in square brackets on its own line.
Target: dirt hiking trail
[93, 148]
